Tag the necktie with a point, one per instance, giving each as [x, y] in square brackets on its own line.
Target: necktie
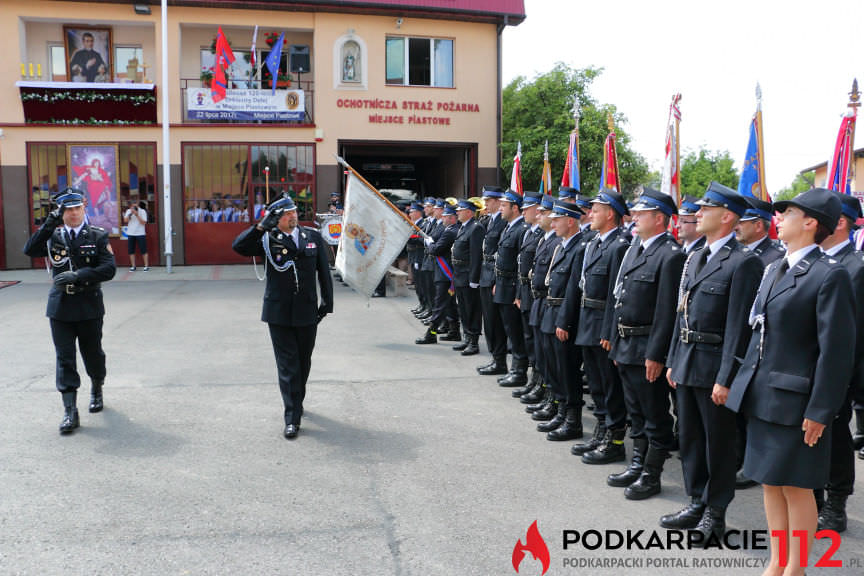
[702, 260]
[781, 271]
[71, 235]
[292, 246]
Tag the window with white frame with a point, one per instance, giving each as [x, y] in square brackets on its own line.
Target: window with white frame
[419, 61]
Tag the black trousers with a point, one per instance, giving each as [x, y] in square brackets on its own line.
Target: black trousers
[528, 333]
[292, 346]
[607, 391]
[707, 450]
[842, 476]
[414, 261]
[541, 354]
[493, 328]
[553, 378]
[568, 359]
[444, 307]
[428, 279]
[468, 302]
[511, 318]
[647, 405]
[88, 333]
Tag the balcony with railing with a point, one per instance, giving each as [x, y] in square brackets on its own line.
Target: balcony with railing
[247, 102]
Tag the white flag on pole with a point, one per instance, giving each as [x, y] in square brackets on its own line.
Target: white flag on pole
[373, 235]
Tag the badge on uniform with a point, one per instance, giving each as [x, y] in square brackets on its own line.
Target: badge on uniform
[310, 245]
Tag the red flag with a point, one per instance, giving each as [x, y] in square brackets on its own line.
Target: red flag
[218, 85]
[224, 54]
[516, 175]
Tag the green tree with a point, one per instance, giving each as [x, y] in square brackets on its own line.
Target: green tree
[801, 183]
[541, 110]
[699, 169]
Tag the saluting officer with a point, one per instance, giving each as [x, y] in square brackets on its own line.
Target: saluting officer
[717, 288]
[81, 259]
[439, 250]
[603, 256]
[541, 396]
[296, 257]
[753, 227]
[414, 246]
[559, 322]
[506, 290]
[841, 479]
[467, 260]
[432, 228]
[524, 299]
[646, 294]
[493, 327]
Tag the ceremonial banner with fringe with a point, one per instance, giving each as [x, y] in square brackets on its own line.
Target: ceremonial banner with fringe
[373, 234]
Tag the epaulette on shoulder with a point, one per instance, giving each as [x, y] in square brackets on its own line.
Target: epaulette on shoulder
[622, 240]
[309, 228]
[97, 228]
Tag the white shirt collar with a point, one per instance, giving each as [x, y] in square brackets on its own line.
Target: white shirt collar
[753, 245]
[549, 234]
[514, 221]
[715, 246]
[835, 249]
[651, 240]
[77, 230]
[605, 234]
[794, 257]
[689, 246]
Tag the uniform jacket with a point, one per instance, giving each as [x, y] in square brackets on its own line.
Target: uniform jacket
[507, 262]
[648, 296]
[717, 301]
[494, 228]
[442, 247]
[434, 230]
[806, 363]
[468, 248]
[561, 272]
[768, 251]
[542, 259]
[600, 268]
[853, 261]
[527, 252]
[699, 244]
[287, 303]
[90, 255]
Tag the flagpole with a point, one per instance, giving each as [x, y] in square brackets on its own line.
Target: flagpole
[576, 117]
[854, 104]
[384, 198]
[676, 112]
[763, 190]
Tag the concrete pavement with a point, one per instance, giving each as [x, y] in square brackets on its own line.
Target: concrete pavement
[408, 463]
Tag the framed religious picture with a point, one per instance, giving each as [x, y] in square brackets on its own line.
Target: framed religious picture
[88, 53]
[93, 169]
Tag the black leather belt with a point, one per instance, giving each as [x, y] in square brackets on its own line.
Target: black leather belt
[537, 294]
[524, 280]
[504, 273]
[488, 258]
[593, 304]
[688, 336]
[625, 331]
[554, 301]
[460, 262]
[72, 289]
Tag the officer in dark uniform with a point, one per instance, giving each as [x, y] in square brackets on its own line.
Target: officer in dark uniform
[524, 298]
[295, 258]
[584, 202]
[541, 397]
[431, 227]
[493, 328]
[717, 289]
[841, 481]
[415, 246]
[467, 259]
[752, 231]
[506, 290]
[691, 239]
[81, 259]
[444, 314]
[646, 295]
[603, 256]
[560, 322]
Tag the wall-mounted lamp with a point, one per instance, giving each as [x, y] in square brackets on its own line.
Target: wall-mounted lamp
[319, 135]
[398, 22]
[142, 9]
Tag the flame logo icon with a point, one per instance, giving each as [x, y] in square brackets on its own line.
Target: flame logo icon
[534, 544]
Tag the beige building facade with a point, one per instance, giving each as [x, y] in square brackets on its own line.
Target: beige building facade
[407, 92]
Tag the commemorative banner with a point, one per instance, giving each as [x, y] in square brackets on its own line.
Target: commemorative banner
[246, 105]
[331, 228]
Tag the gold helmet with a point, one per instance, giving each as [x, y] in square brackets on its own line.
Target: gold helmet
[478, 202]
[451, 201]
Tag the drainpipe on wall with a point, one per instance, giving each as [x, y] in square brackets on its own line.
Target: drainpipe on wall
[499, 107]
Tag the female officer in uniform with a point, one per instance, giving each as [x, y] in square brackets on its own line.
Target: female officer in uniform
[796, 371]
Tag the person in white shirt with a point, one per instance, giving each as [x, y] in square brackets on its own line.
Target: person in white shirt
[135, 219]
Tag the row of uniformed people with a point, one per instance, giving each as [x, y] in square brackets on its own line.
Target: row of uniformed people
[638, 319]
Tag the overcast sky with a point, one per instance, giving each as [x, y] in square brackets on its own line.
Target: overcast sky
[802, 53]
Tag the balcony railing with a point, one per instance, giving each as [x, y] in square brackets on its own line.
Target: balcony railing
[239, 115]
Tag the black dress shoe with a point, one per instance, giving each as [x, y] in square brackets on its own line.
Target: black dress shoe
[493, 370]
[567, 431]
[513, 380]
[70, 421]
[291, 431]
[685, 519]
[742, 481]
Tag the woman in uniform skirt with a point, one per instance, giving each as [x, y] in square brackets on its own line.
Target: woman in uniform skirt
[796, 371]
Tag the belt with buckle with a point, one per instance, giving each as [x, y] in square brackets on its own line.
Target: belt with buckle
[537, 294]
[688, 336]
[461, 262]
[488, 258]
[504, 273]
[72, 289]
[554, 301]
[625, 331]
[524, 280]
[593, 303]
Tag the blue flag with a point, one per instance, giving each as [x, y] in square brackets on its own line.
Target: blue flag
[273, 59]
[749, 184]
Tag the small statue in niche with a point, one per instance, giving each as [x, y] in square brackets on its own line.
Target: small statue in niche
[350, 62]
